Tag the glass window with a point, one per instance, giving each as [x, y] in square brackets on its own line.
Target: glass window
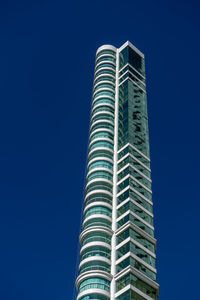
[101, 144]
[133, 120]
[100, 222]
[128, 55]
[135, 209]
[131, 160]
[137, 186]
[104, 85]
[137, 265]
[96, 236]
[103, 108]
[130, 150]
[102, 116]
[138, 283]
[105, 71]
[95, 251]
[99, 174]
[104, 93]
[135, 174]
[102, 134]
[95, 265]
[130, 69]
[130, 247]
[99, 185]
[100, 164]
[98, 210]
[133, 195]
[104, 78]
[102, 125]
[94, 297]
[105, 58]
[98, 197]
[106, 65]
[106, 52]
[97, 153]
[94, 283]
[103, 100]
[137, 237]
[135, 221]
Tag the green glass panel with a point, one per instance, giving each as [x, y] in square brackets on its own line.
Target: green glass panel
[99, 222]
[134, 162]
[133, 122]
[135, 221]
[95, 251]
[132, 151]
[95, 265]
[104, 65]
[106, 52]
[105, 58]
[98, 197]
[131, 70]
[137, 237]
[96, 236]
[100, 164]
[136, 175]
[94, 283]
[105, 71]
[98, 210]
[135, 209]
[137, 265]
[94, 297]
[128, 55]
[130, 247]
[133, 195]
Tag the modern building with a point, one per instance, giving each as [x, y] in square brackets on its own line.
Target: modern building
[117, 254]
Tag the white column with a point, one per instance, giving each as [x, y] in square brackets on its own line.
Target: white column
[114, 210]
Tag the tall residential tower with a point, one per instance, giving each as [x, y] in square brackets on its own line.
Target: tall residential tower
[117, 255]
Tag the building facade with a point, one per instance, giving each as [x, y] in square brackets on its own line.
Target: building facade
[117, 254]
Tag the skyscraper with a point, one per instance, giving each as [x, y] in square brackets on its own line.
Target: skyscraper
[117, 254]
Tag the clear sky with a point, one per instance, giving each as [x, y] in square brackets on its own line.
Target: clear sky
[47, 56]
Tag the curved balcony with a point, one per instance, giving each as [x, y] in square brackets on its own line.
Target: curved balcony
[104, 84]
[99, 158]
[94, 294]
[97, 202]
[96, 238]
[108, 57]
[102, 124]
[103, 108]
[104, 92]
[100, 151]
[98, 184]
[102, 115]
[97, 220]
[99, 197]
[97, 169]
[106, 49]
[105, 71]
[98, 209]
[89, 264]
[100, 163]
[103, 112]
[104, 64]
[101, 130]
[92, 274]
[104, 77]
[96, 250]
[105, 98]
[100, 143]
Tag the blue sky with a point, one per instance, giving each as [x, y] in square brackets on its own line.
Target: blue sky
[47, 58]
